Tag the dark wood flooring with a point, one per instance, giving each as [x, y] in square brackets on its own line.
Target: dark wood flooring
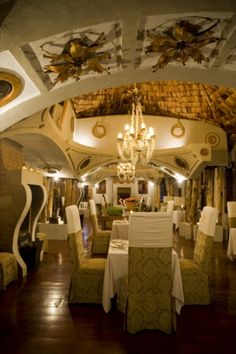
[35, 316]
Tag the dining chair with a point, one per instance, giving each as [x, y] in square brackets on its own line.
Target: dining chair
[196, 272]
[8, 269]
[231, 208]
[170, 206]
[8, 262]
[87, 277]
[100, 238]
[144, 295]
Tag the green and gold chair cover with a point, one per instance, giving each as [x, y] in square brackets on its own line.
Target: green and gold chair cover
[100, 238]
[86, 283]
[145, 294]
[231, 208]
[196, 272]
[8, 269]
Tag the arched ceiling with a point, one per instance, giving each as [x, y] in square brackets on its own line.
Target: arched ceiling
[200, 90]
[197, 101]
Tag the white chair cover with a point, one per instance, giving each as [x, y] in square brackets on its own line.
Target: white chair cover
[166, 198]
[208, 219]
[148, 204]
[73, 219]
[231, 207]
[152, 229]
[92, 207]
[170, 206]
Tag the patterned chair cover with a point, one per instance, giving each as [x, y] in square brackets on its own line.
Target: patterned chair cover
[196, 272]
[231, 208]
[8, 269]
[100, 238]
[87, 273]
[145, 294]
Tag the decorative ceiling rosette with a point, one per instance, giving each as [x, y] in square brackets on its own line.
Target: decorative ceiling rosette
[78, 57]
[186, 40]
[71, 56]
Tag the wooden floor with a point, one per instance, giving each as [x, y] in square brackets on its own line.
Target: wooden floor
[35, 317]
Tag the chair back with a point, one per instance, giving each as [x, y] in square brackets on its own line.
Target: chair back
[204, 241]
[231, 208]
[75, 237]
[93, 215]
[152, 229]
[149, 272]
[170, 206]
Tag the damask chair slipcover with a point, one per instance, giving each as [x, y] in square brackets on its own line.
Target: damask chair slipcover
[86, 283]
[145, 294]
[231, 208]
[8, 269]
[196, 272]
[100, 238]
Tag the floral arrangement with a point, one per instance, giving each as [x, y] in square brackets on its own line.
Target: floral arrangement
[131, 199]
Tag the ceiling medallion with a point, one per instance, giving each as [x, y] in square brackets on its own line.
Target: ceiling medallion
[180, 42]
[213, 139]
[10, 87]
[177, 129]
[204, 152]
[99, 130]
[79, 56]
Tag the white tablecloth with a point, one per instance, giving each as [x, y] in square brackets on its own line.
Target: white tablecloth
[231, 252]
[117, 266]
[120, 229]
[178, 215]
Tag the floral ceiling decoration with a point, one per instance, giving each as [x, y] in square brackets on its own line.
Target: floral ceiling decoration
[230, 62]
[78, 57]
[187, 40]
[180, 42]
[82, 53]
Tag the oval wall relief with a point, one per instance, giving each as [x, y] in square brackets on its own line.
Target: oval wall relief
[84, 163]
[99, 130]
[177, 129]
[11, 86]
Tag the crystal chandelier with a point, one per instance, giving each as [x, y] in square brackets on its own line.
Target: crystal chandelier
[125, 172]
[137, 143]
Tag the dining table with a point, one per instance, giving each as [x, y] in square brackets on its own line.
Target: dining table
[178, 216]
[120, 229]
[231, 250]
[117, 266]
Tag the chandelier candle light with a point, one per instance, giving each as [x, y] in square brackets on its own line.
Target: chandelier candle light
[137, 143]
[125, 172]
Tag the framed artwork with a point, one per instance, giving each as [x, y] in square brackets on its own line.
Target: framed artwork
[142, 187]
[101, 188]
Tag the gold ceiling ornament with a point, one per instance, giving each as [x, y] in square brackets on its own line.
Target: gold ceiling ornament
[212, 139]
[78, 57]
[11, 87]
[137, 143]
[125, 172]
[99, 130]
[181, 42]
[177, 129]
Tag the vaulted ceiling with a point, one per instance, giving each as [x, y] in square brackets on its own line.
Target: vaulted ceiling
[197, 84]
